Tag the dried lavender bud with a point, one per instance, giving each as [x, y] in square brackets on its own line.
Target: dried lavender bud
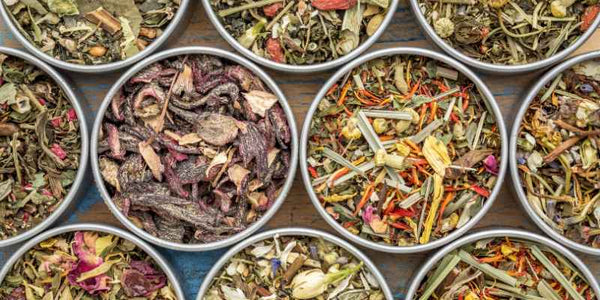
[201, 148]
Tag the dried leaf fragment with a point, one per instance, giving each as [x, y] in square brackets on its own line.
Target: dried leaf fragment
[152, 160]
[436, 154]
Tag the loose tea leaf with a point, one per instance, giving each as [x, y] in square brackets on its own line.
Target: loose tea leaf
[91, 32]
[86, 265]
[194, 149]
[40, 146]
[417, 152]
[557, 153]
[506, 32]
[504, 268]
[294, 267]
[301, 32]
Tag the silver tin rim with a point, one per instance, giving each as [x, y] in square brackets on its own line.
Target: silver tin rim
[489, 98]
[501, 232]
[492, 68]
[214, 19]
[514, 171]
[294, 231]
[231, 57]
[103, 68]
[158, 258]
[70, 92]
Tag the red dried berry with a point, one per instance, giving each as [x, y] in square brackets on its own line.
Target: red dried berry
[271, 10]
[42, 101]
[275, 51]
[333, 4]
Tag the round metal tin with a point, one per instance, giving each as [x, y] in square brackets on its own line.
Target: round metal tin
[514, 171]
[74, 191]
[207, 51]
[171, 30]
[214, 18]
[500, 232]
[294, 231]
[489, 98]
[158, 258]
[492, 68]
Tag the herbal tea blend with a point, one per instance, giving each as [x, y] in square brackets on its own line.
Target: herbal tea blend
[557, 153]
[294, 267]
[504, 268]
[40, 146]
[86, 265]
[507, 32]
[91, 32]
[301, 32]
[194, 149]
[403, 150]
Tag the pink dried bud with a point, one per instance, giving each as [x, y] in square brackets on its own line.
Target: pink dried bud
[56, 122]
[71, 115]
[58, 151]
[491, 164]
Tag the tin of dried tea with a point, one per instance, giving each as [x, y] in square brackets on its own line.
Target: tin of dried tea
[88, 261]
[194, 148]
[504, 263]
[92, 36]
[403, 150]
[294, 263]
[555, 162]
[502, 36]
[42, 146]
[301, 36]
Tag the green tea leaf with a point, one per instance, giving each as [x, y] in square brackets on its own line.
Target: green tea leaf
[8, 93]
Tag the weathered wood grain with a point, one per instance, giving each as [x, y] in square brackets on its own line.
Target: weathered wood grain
[298, 210]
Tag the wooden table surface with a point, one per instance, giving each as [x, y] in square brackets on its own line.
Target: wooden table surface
[297, 209]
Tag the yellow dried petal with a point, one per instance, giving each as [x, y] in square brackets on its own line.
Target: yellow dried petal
[436, 154]
[438, 192]
[338, 198]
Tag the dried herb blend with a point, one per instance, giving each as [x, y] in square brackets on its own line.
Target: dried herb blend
[505, 268]
[557, 153]
[91, 32]
[507, 32]
[301, 32]
[86, 265]
[194, 149]
[40, 146]
[403, 150]
[294, 267]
